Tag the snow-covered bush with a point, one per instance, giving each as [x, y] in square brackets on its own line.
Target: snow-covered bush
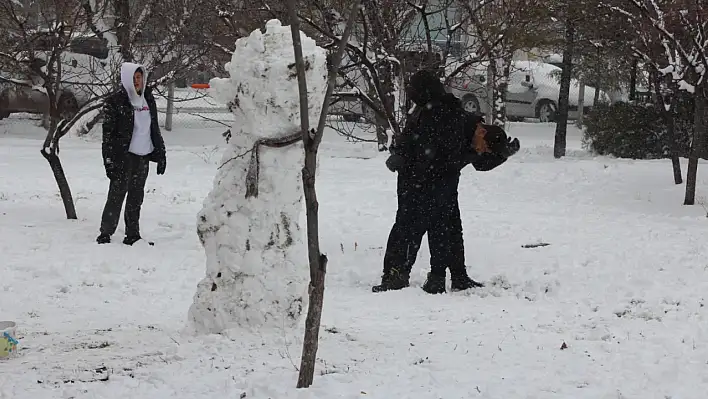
[635, 131]
[257, 270]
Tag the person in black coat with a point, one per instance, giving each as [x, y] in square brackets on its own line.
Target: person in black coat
[131, 140]
[439, 140]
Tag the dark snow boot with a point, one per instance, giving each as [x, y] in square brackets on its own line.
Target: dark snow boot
[103, 239]
[434, 284]
[461, 283]
[130, 240]
[392, 281]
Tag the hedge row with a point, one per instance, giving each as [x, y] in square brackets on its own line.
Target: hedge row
[635, 131]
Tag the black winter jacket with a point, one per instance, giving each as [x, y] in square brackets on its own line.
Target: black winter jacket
[118, 119]
[437, 142]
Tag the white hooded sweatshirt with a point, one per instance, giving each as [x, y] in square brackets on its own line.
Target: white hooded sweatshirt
[141, 143]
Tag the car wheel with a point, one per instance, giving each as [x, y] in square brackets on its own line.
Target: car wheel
[470, 104]
[350, 117]
[546, 111]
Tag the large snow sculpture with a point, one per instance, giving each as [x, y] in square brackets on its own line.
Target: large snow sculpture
[257, 270]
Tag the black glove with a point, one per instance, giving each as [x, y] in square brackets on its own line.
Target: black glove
[161, 165]
[512, 146]
[395, 162]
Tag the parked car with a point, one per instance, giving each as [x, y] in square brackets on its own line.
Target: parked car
[532, 91]
[412, 57]
[84, 75]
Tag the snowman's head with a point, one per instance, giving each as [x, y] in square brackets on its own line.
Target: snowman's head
[264, 74]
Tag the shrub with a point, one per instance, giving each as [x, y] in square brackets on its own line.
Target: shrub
[635, 131]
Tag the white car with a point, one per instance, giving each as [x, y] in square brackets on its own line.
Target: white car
[532, 92]
[85, 75]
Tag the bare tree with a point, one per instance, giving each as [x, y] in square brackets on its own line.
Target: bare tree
[648, 47]
[681, 28]
[311, 140]
[625, 47]
[71, 51]
[35, 46]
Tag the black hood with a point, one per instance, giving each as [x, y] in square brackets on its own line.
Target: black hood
[425, 87]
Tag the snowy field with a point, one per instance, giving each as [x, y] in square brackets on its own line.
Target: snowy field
[622, 284]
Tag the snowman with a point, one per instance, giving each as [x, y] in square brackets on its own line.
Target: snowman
[257, 271]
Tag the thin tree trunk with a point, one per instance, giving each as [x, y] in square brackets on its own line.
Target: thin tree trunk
[581, 103]
[673, 137]
[491, 93]
[388, 101]
[381, 122]
[123, 28]
[49, 152]
[63, 184]
[385, 71]
[667, 109]
[311, 141]
[428, 37]
[596, 99]
[381, 136]
[633, 80]
[501, 83]
[46, 121]
[560, 143]
[697, 147]
[317, 272]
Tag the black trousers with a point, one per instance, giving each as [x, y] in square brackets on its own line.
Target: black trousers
[129, 180]
[426, 206]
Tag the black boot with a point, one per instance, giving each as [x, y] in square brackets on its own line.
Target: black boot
[394, 280]
[130, 240]
[103, 239]
[463, 282]
[434, 284]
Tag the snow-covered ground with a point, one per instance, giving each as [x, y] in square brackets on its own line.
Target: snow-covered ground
[622, 284]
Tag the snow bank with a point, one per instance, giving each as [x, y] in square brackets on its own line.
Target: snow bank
[257, 271]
